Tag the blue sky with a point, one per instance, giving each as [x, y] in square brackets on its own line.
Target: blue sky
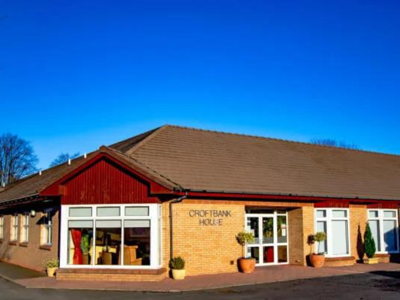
[75, 75]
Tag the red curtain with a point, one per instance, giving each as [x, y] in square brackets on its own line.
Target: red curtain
[76, 238]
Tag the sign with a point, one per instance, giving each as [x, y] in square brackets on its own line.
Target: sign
[210, 217]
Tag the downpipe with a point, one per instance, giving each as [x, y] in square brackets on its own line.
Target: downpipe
[171, 223]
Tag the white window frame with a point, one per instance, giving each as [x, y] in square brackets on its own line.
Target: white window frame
[275, 244]
[380, 220]
[328, 219]
[156, 248]
[1, 227]
[46, 235]
[14, 228]
[24, 235]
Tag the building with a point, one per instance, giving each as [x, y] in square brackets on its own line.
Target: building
[121, 212]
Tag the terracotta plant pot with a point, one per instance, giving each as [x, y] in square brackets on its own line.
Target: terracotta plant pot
[107, 258]
[317, 260]
[51, 272]
[85, 259]
[371, 261]
[247, 265]
[178, 274]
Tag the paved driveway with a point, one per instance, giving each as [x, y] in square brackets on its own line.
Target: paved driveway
[379, 285]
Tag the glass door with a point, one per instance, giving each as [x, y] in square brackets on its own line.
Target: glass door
[270, 245]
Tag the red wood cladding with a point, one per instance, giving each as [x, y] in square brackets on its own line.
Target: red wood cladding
[106, 183]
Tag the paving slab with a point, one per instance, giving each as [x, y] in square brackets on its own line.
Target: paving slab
[261, 275]
[14, 272]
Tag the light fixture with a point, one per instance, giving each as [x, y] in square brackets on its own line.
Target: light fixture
[33, 213]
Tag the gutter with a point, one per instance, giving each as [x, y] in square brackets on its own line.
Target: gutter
[171, 223]
[245, 195]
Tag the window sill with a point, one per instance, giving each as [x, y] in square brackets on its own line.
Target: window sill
[45, 247]
[24, 244]
[13, 243]
[338, 258]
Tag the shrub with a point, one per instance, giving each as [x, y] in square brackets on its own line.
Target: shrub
[369, 243]
[85, 243]
[244, 238]
[52, 263]
[177, 263]
[318, 237]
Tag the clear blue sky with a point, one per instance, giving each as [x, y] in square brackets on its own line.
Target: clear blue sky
[78, 74]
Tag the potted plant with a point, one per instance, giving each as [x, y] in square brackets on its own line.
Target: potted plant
[85, 245]
[106, 256]
[246, 264]
[369, 247]
[177, 266]
[317, 260]
[51, 267]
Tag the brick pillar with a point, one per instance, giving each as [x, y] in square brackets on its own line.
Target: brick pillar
[301, 224]
[358, 220]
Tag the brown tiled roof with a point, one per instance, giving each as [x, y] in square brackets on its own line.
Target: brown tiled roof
[201, 160]
[198, 160]
[32, 185]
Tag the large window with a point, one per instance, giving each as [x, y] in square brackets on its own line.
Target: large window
[1, 227]
[384, 226]
[335, 223]
[46, 229]
[14, 228]
[25, 229]
[111, 236]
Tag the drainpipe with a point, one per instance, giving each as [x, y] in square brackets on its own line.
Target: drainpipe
[171, 223]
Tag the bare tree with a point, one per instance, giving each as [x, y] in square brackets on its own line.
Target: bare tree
[17, 159]
[334, 143]
[62, 158]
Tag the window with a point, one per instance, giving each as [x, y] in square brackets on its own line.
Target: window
[111, 235]
[384, 228]
[25, 229]
[14, 228]
[335, 223]
[1, 227]
[47, 229]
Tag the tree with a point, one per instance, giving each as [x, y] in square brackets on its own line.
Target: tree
[17, 159]
[62, 158]
[334, 143]
[369, 243]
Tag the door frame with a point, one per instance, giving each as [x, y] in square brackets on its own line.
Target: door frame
[275, 243]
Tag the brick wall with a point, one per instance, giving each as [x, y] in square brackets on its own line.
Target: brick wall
[301, 225]
[30, 255]
[207, 249]
[213, 249]
[358, 219]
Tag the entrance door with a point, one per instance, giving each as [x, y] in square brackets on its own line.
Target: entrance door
[270, 245]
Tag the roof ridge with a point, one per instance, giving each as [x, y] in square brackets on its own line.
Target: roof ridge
[142, 142]
[282, 140]
[144, 165]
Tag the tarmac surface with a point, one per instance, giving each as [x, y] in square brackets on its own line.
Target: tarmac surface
[374, 285]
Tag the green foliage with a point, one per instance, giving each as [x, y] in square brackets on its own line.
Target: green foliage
[319, 237]
[177, 263]
[244, 238]
[85, 243]
[369, 243]
[52, 263]
[311, 239]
